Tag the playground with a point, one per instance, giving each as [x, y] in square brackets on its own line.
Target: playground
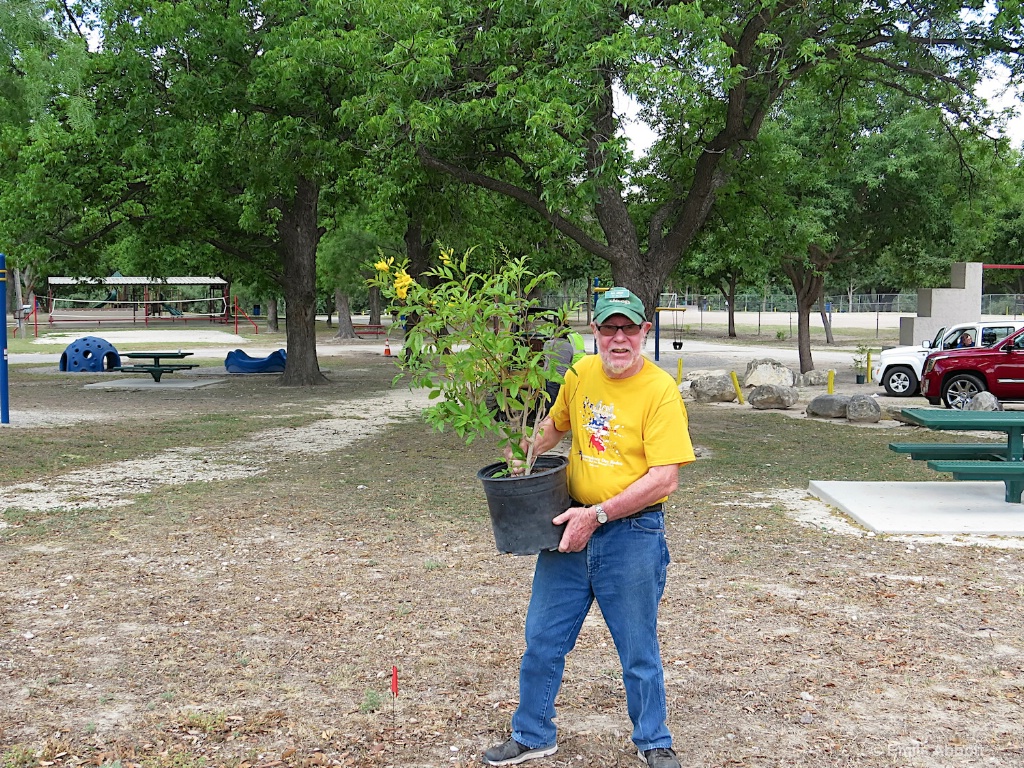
[228, 575]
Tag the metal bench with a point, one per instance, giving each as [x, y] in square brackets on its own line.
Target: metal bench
[925, 451]
[1011, 473]
[156, 371]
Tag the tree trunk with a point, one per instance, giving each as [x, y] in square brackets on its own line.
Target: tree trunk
[803, 336]
[644, 276]
[826, 321]
[807, 276]
[728, 290]
[298, 234]
[341, 304]
[19, 303]
[373, 300]
[417, 249]
[272, 317]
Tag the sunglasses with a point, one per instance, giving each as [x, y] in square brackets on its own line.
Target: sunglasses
[609, 329]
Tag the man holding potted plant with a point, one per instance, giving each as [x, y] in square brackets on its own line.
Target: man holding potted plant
[629, 438]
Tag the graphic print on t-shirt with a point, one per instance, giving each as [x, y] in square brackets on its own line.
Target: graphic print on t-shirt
[598, 421]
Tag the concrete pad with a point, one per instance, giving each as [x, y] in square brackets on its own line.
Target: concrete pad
[925, 508]
[148, 383]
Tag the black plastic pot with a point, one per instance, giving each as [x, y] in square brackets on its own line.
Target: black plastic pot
[522, 507]
[862, 378]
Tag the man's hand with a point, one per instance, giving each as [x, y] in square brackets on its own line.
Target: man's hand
[580, 524]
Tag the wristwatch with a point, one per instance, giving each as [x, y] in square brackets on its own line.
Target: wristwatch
[602, 516]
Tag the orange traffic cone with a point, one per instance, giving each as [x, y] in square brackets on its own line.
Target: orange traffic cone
[387, 348]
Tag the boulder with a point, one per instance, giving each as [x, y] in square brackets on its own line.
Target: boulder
[984, 401]
[863, 409]
[695, 374]
[894, 411]
[767, 371]
[829, 406]
[812, 379]
[713, 389]
[768, 396]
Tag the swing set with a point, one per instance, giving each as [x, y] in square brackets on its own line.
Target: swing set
[676, 329]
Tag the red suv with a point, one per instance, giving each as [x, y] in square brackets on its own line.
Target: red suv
[954, 376]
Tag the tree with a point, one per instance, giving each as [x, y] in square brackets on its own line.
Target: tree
[240, 141]
[42, 63]
[825, 187]
[535, 87]
[218, 135]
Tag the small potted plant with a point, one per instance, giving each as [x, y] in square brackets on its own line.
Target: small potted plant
[860, 362]
[480, 345]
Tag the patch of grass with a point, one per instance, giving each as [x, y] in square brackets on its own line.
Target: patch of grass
[433, 565]
[758, 451]
[372, 701]
[48, 451]
[178, 759]
[207, 722]
[17, 756]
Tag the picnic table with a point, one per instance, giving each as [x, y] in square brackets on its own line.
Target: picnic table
[972, 461]
[156, 369]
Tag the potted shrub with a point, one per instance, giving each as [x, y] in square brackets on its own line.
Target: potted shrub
[480, 344]
[860, 362]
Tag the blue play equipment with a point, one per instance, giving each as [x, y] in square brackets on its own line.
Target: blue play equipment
[90, 354]
[239, 362]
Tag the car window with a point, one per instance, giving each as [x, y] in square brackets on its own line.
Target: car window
[990, 336]
[1018, 343]
[950, 340]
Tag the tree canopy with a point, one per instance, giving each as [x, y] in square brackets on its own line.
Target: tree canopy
[231, 137]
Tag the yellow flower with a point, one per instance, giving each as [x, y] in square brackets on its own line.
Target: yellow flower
[384, 265]
[446, 256]
[403, 283]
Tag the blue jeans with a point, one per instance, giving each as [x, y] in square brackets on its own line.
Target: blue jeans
[623, 567]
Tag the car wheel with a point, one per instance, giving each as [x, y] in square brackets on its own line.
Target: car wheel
[961, 389]
[900, 381]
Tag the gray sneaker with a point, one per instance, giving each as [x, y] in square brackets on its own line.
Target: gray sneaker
[512, 752]
[662, 757]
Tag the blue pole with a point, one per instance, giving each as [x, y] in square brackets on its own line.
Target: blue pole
[5, 409]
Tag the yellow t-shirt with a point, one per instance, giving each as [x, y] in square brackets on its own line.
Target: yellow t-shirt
[620, 427]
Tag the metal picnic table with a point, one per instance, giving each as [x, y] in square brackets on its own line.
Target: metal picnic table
[155, 369]
[972, 461]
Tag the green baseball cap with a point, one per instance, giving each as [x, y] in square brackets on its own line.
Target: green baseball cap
[619, 301]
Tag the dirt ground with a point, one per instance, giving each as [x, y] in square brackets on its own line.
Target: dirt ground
[181, 600]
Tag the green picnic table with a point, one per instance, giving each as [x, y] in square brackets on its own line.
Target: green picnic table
[972, 461]
[156, 369]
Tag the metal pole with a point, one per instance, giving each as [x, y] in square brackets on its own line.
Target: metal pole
[5, 409]
[657, 334]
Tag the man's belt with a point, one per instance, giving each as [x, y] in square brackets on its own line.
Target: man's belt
[644, 511]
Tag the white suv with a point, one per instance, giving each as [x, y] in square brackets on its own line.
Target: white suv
[899, 368]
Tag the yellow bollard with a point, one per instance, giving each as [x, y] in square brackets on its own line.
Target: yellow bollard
[679, 372]
[869, 365]
[831, 382]
[736, 386]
